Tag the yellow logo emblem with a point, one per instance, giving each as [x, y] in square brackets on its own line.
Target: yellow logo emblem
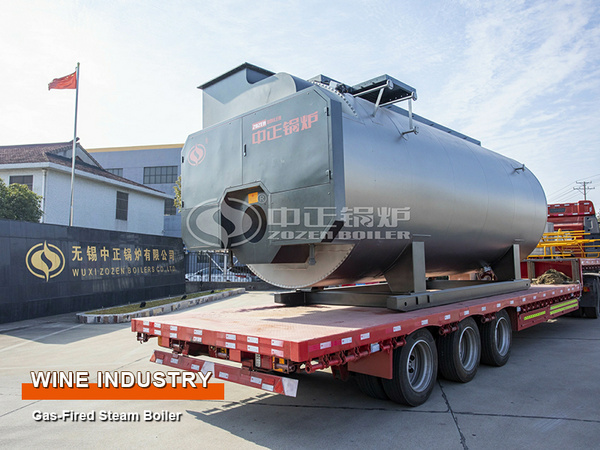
[45, 261]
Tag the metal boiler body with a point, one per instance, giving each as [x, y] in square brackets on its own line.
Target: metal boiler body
[321, 184]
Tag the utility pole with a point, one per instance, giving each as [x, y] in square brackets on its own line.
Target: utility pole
[583, 188]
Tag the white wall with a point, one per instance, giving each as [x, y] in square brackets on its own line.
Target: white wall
[58, 199]
[37, 177]
[95, 202]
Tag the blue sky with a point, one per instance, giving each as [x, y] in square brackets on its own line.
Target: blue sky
[521, 76]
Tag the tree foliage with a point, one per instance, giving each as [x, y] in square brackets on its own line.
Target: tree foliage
[18, 202]
[177, 199]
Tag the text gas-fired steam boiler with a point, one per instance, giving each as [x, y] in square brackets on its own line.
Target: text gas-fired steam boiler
[317, 183]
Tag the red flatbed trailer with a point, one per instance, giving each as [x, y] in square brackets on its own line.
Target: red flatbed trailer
[571, 216]
[581, 270]
[275, 340]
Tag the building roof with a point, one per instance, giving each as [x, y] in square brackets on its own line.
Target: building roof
[60, 153]
[33, 153]
[135, 148]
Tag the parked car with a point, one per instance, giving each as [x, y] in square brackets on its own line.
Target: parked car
[244, 270]
[217, 274]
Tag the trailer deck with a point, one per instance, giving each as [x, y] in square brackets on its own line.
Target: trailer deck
[320, 336]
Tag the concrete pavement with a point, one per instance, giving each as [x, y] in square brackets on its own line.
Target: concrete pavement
[547, 396]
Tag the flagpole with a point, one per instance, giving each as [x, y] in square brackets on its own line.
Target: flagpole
[74, 148]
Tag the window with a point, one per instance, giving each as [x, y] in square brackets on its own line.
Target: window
[160, 175]
[117, 172]
[27, 180]
[122, 205]
[170, 209]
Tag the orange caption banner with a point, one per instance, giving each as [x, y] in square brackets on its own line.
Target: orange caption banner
[214, 391]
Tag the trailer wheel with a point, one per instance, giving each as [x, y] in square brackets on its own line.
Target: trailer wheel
[415, 369]
[496, 340]
[371, 385]
[460, 352]
[593, 312]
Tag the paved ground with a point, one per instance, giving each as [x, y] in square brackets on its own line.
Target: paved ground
[547, 396]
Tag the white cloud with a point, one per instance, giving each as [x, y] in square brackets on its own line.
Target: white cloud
[529, 86]
[521, 76]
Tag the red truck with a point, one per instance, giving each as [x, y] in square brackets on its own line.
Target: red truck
[393, 355]
[573, 249]
[316, 183]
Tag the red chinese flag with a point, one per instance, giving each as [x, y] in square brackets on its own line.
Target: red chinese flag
[68, 82]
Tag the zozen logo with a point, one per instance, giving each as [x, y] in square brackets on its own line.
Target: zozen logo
[233, 224]
[196, 154]
[45, 261]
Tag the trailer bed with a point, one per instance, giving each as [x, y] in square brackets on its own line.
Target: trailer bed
[304, 333]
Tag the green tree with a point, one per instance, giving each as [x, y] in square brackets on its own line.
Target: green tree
[18, 202]
[177, 199]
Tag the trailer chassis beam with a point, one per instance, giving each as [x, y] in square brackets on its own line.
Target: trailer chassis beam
[435, 295]
[408, 289]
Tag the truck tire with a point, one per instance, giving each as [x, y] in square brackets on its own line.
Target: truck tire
[415, 370]
[370, 385]
[496, 340]
[459, 352]
[592, 312]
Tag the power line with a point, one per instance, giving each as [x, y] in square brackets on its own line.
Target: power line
[567, 186]
[563, 192]
[562, 189]
[583, 188]
[563, 197]
[572, 199]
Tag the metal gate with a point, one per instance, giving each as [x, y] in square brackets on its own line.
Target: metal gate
[216, 266]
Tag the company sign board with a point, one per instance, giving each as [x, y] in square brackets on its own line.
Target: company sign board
[53, 269]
